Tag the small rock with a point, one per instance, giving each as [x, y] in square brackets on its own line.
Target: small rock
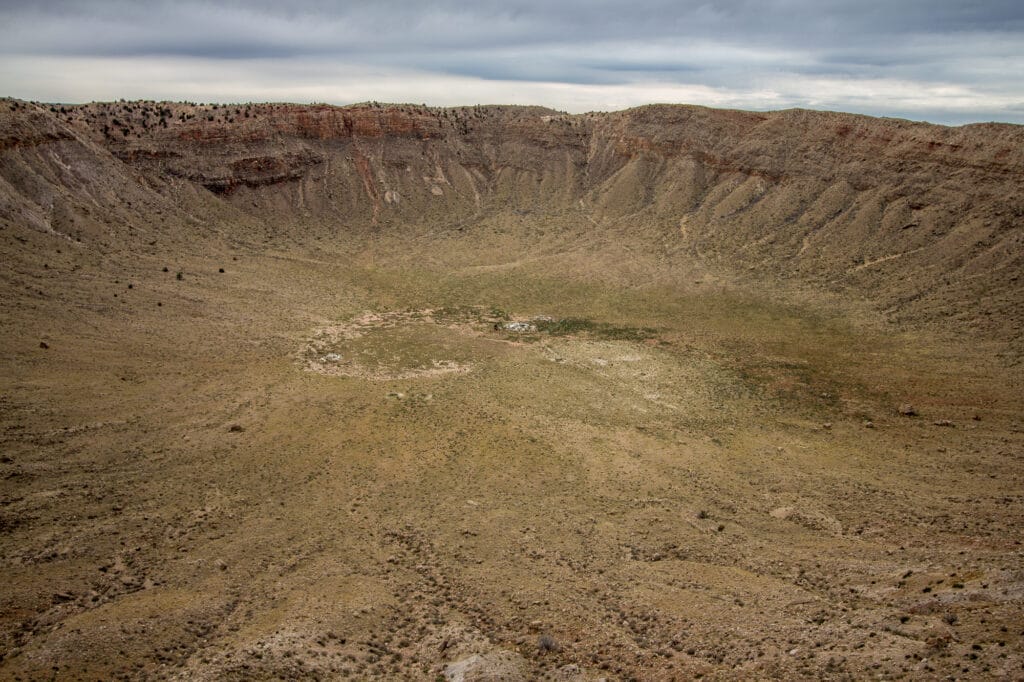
[826, 425]
[44, 345]
[236, 428]
[495, 665]
[907, 410]
[221, 564]
[868, 424]
[942, 422]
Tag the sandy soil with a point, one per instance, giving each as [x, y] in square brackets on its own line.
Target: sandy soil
[264, 413]
[688, 482]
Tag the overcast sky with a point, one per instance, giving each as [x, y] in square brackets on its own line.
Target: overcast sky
[946, 61]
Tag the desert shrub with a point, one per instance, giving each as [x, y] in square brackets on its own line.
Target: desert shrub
[546, 643]
[499, 313]
[568, 326]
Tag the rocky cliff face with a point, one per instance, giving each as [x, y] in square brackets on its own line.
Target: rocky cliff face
[927, 221]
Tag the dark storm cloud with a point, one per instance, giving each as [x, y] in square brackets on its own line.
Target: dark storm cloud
[793, 50]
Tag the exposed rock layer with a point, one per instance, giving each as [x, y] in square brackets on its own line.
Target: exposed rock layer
[925, 220]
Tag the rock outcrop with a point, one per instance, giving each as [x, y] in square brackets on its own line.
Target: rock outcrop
[926, 221]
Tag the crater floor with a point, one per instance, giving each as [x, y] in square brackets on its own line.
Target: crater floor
[331, 464]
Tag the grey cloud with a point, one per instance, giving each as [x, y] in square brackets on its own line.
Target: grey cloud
[729, 44]
[314, 27]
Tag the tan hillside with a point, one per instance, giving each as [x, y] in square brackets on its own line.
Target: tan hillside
[923, 220]
[393, 392]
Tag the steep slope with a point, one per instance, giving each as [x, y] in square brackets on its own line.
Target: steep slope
[353, 167]
[67, 203]
[924, 220]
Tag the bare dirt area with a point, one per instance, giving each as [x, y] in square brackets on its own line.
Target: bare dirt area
[734, 494]
[526, 446]
[387, 347]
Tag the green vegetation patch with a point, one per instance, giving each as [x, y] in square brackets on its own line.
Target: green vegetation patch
[581, 326]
